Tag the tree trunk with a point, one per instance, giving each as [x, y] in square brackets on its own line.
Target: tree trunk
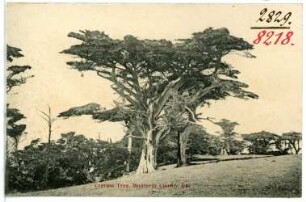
[155, 165]
[183, 155]
[298, 150]
[179, 160]
[296, 146]
[128, 161]
[183, 148]
[183, 140]
[7, 175]
[147, 158]
[161, 133]
[48, 118]
[146, 164]
[224, 150]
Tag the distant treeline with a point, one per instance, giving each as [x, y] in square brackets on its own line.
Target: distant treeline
[74, 159]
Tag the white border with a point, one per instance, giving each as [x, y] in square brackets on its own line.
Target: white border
[159, 1]
[2, 97]
[130, 199]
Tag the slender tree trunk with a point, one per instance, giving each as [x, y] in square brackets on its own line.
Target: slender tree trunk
[7, 168]
[298, 150]
[183, 155]
[16, 144]
[298, 147]
[228, 147]
[7, 176]
[183, 141]
[155, 156]
[46, 176]
[183, 147]
[179, 160]
[225, 147]
[158, 137]
[14, 158]
[48, 119]
[294, 147]
[129, 152]
[184, 136]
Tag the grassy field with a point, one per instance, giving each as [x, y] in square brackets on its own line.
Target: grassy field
[257, 177]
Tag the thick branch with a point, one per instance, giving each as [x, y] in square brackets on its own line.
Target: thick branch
[160, 103]
[192, 114]
[200, 94]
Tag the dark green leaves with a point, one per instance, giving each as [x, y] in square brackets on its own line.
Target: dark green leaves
[142, 71]
[263, 135]
[88, 109]
[292, 136]
[12, 52]
[97, 113]
[14, 130]
[219, 41]
[18, 69]
[113, 115]
[13, 115]
[14, 72]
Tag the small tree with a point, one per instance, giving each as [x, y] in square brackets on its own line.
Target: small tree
[261, 141]
[15, 73]
[215, 145]
[199, 143]
[47, 117]
[14, 130]
[294, 139]
[228, 136]
[15, 78]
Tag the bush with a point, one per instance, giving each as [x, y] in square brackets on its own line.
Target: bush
[71, 160]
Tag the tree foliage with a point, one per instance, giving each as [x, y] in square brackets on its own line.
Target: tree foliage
[14, 78]
[294, 139]
[15, 72]
[72, 160]
[14, 130]
[261, 141]
[141, 69]
[230, 144]
[145, 73]
[97, 113]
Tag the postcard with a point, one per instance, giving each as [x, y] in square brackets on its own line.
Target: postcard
[152, 100]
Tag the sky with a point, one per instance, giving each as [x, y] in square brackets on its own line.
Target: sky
[40, 30]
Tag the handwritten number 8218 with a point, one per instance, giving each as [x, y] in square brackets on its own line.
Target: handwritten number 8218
[274, 16]
[268, 38]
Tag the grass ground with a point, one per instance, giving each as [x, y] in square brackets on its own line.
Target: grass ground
[257, 177]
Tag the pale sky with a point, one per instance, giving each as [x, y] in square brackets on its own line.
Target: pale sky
[40, 30]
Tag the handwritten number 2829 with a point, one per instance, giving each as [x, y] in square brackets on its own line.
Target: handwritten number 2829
[274, 16]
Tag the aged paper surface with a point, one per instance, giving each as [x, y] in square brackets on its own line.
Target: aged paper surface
[123, 107]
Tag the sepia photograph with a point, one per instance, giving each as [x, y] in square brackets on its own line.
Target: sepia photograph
[153, 100]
